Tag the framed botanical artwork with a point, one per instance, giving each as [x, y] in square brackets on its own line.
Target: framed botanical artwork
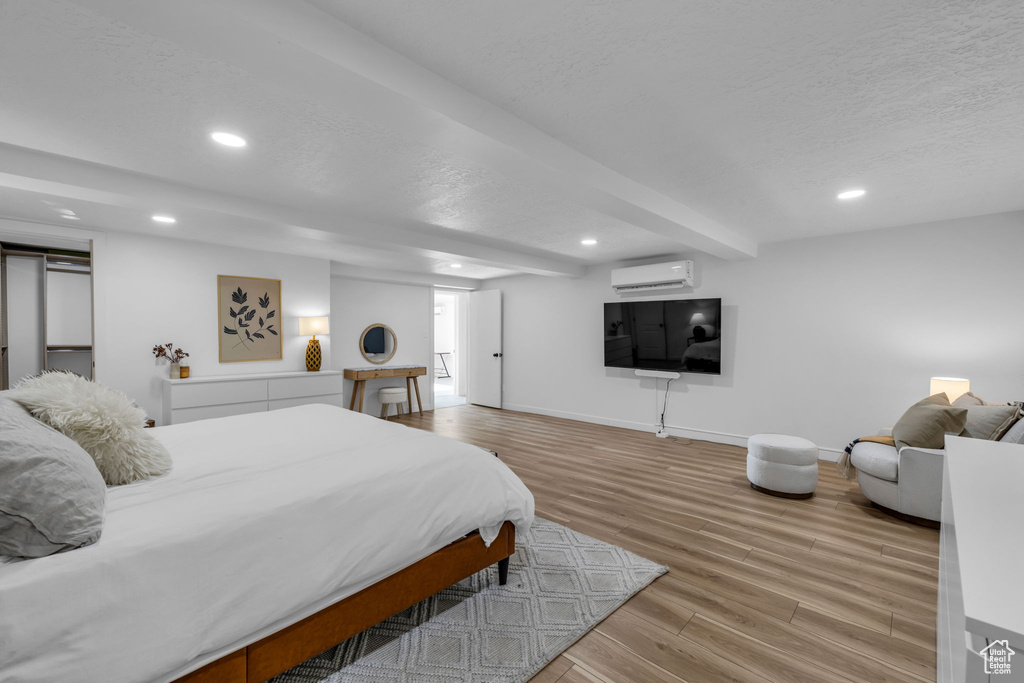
[248, 318]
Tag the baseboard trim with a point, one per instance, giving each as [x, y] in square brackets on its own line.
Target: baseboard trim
[581, 417]
[827, 454]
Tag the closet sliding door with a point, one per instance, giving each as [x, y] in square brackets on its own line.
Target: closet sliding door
[23, 323]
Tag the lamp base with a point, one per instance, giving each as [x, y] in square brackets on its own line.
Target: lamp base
[313, 356]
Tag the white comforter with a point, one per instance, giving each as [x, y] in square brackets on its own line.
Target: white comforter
[265, 519]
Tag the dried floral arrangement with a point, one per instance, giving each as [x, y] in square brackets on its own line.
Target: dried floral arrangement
[169, 352]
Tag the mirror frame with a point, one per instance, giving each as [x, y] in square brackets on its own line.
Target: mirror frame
[394, 345]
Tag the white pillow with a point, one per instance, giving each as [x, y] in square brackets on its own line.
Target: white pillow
[104, 422]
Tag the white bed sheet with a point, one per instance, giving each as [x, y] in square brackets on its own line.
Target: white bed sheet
[264, 519]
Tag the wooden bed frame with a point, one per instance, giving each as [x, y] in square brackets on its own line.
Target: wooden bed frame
[294, 644]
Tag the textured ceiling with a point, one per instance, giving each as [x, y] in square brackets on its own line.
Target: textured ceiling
[755, 113]
[751, 113]
[146, 105]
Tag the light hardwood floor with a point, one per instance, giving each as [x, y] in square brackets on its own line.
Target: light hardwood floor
[759, 588]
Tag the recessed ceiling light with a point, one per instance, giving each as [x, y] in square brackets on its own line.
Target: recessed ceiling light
[851, 194]
[165, 219]
[588, 242]
[69, 216]
[456, 265]
[228, 139]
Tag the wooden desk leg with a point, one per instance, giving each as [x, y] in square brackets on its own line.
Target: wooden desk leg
[408, 392]
[419, 403]
[355, 390]
[362, 394]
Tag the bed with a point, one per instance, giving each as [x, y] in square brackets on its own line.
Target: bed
[274, 533]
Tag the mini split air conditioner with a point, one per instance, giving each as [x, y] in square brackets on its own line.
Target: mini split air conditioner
[653, 278]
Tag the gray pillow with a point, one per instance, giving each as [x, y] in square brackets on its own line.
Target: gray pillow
[925, 423]
[969, 400]
[52, 497]
[1014, 434]
[989, 421]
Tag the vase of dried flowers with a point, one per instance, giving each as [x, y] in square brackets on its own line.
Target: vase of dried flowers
[175, 356]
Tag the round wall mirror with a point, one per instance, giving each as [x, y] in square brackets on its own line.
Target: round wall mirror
[378, 343]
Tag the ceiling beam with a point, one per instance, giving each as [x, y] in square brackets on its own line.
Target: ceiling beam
[403, 277]
[307, 51]
[46, 173]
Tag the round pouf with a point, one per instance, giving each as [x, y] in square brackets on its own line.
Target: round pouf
[781, 465]
[389, 395]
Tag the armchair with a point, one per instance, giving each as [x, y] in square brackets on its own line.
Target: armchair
[906, 482]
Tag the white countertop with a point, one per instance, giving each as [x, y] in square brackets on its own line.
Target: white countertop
[987, 486]
[239, 378]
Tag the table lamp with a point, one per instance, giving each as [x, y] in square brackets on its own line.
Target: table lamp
[699, 333]
[952, 387]
[313, 326]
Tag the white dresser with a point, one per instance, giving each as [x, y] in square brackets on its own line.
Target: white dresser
[981, 560]
[199, 398]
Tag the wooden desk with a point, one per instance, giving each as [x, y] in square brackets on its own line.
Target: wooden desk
[411, 373]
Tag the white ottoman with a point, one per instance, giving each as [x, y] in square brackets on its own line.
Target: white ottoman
[781, 465]
[389, 395]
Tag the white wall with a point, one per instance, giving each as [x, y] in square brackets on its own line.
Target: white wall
[162, 290]
[406, 309]
[826, 338]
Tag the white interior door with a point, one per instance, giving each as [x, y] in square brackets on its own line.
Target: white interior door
[485, 348]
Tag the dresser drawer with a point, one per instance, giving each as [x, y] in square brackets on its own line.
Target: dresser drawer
[314, 385]
[217, 393]
[226, 410]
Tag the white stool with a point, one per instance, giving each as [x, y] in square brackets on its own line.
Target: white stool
[780, 465]
[389, 395]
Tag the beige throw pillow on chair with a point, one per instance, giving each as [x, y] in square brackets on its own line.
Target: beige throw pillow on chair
[987, 419]
[925, 424]
[990, 422]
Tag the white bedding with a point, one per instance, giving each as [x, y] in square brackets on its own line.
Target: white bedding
[265, 519]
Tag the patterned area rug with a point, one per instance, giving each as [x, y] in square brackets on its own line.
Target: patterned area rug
[560, 585]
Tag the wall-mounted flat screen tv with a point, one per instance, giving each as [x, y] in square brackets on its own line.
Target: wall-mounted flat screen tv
[681, 335]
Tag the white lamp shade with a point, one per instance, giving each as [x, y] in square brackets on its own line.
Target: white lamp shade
[952, 387]
[698, 319]
[313, 326]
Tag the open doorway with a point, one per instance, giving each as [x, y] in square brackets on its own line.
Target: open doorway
[451, 340]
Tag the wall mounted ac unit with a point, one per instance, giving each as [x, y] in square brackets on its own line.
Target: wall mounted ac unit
[653, 278]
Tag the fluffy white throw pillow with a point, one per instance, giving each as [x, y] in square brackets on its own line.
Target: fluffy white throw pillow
[104, 422]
